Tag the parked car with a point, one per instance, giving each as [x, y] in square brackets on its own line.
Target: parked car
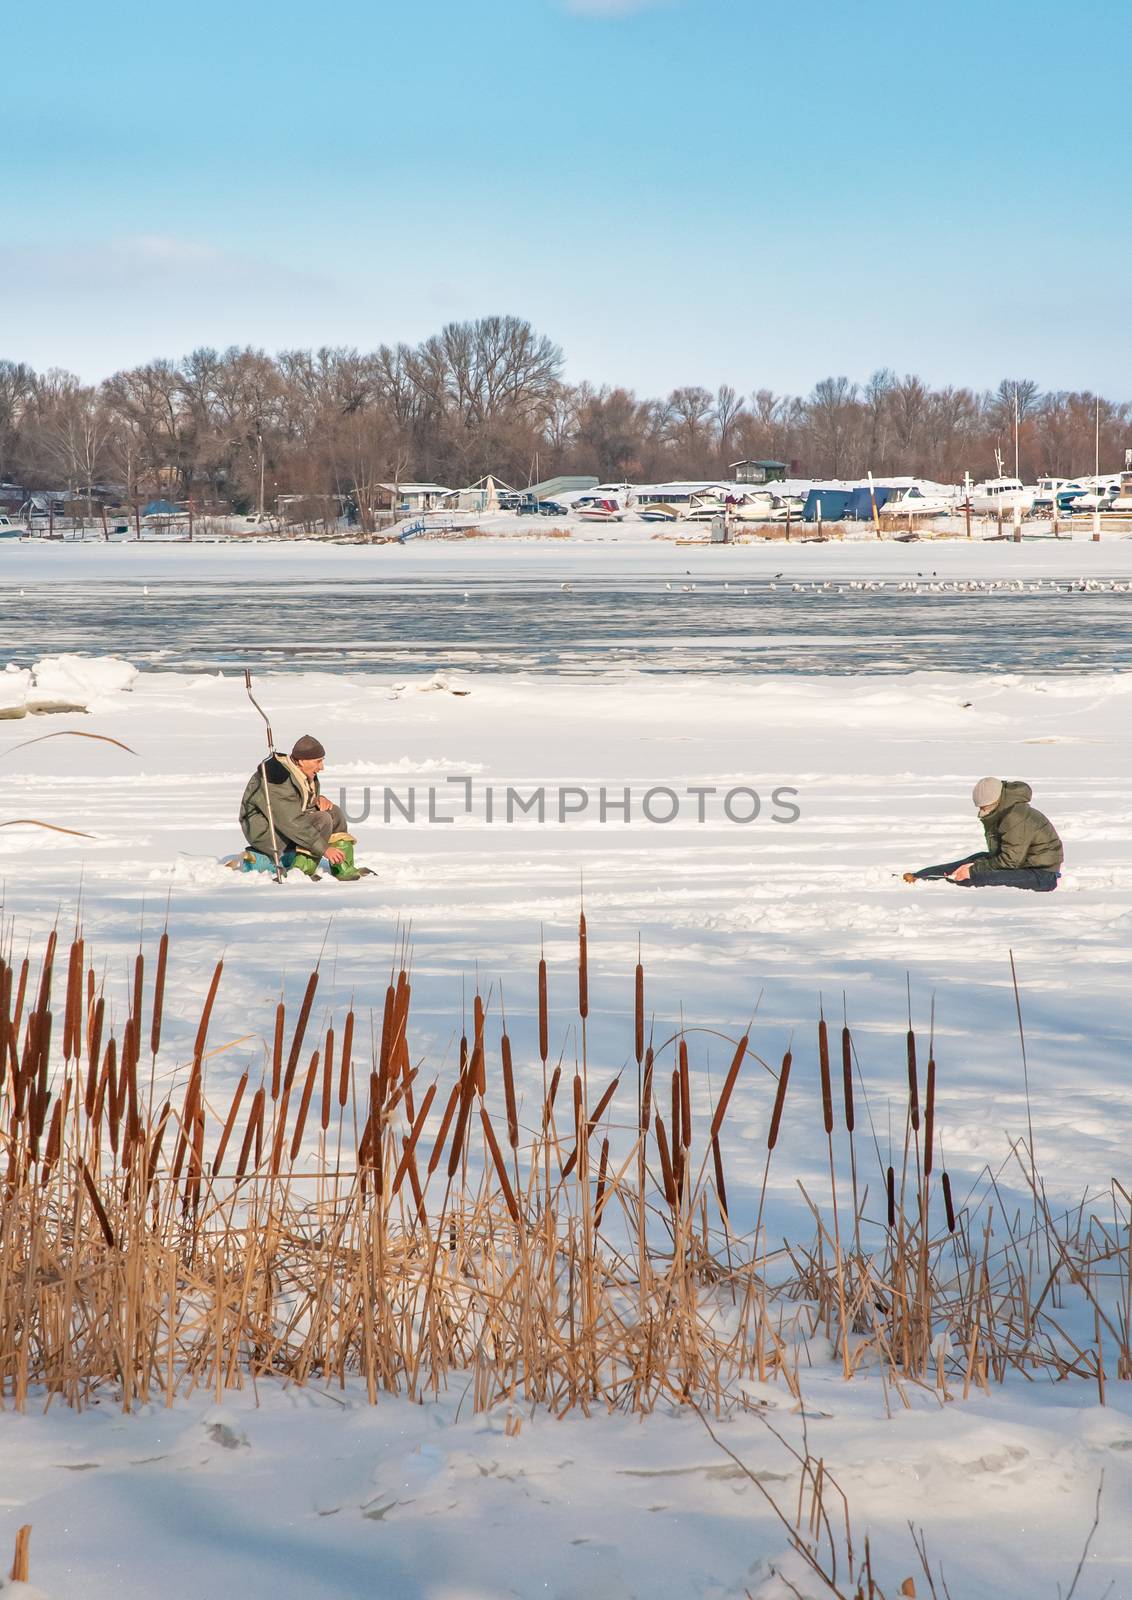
[541, 508]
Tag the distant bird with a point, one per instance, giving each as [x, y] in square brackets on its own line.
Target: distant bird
[565, 588]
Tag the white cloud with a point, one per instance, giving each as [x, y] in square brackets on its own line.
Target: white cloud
[611, 8]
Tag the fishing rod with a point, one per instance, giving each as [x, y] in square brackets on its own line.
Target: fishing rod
[263, 776]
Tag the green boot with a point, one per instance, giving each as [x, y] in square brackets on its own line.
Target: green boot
[307, 865]
[346, 871]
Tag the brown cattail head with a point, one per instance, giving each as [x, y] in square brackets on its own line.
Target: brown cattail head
[948, 1203]
[344, 1063]
[277, 1051]
[728, 1085]
[583, 969]
[913, 1084]
[847, 1076]
[159, 993]
[543, 1014]
[445, 1124]
[646, 1092]
[685, 1096]
[890, 1187]
[929, 1118]
[639, 1013]
[509, 1093]
[826, 1086]
[779, 1101]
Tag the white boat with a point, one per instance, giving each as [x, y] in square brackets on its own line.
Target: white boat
[1002, 494]
[598, 511]
[10, 529]
[659, 511]
[914, 502]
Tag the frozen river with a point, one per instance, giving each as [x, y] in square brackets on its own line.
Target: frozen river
[497, 623]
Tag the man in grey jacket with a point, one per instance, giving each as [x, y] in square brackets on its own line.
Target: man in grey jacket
[1023, 848]
[282, 798]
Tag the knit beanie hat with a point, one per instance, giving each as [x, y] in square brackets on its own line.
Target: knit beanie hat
[307, 749]
[987, 792]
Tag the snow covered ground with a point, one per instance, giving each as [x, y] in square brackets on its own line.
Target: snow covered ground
[309, 1495]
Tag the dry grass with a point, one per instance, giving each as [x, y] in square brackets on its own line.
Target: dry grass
[346, 1214]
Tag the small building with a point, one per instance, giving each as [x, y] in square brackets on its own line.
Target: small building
[759, 471]
[412, 497]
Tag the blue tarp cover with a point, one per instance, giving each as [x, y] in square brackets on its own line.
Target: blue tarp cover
[833, 504]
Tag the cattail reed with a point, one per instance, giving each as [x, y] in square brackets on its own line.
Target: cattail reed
[229, 1124]
[602, 1169]
[387, 1033]
[583, 970]
[913, 1084]
[93, 1052]
[646, 1091]
[728, 1085]
[445, 1123]
[948, 1204]
[639, 1013]
[206, 1014]
[665, 1162]
[304, 1107]
[159, 993]
[929, 1118]
[277, 1051]
[890, 1190]
[500, 1164]
[410, 1143]
[252, 1133]
[847, 1077]
[509, 1093]
[466, 1098]
[300, 1030]
[826, 1086]
[344, 1063]
[685, 1097]
[600, 1108]
[327, 1080]
[779, 1101]
[720, 1186]
[543, 1013]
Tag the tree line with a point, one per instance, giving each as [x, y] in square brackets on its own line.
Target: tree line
[238, 427]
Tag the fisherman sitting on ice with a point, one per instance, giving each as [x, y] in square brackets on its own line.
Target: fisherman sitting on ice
[284, 817]
[1023, 849]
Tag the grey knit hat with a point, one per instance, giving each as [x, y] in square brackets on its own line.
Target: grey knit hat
[987, 792]
[307, 749]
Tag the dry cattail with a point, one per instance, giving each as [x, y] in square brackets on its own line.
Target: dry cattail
[410, 1143]
[639, 1013]
[948, 1204]
[720, 1186]
[136, 1013]
[500, 1164]
[728, 1085]
[327, 1080]
[543, 1014]
[72, 1009]
[556, 1079]
[685, 1097]
[583, 970]
[300, 1029]
[445, 1122]
[385, 1055]
[677, 1141]
[890, 1185]
[304, 1106]
[600, 1108]
[929, 1118]
[93, 1051]
[913, 1085]
[344, 1064]
[230, 1123]
[277, 1051]
[251, 1132]
[665, 1162]
[509, 1093]
[466, 1098]
[847, 1077]
[159, 993]
[779, 1101]
[96, 1202]
[206, 1014]
[826, 1087]
[602, 1168]
[646, 1092]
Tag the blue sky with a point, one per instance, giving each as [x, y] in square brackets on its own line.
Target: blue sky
[677, 191]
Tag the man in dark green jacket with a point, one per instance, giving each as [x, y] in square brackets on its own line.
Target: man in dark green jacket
[282, 811]
[1023, 849]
